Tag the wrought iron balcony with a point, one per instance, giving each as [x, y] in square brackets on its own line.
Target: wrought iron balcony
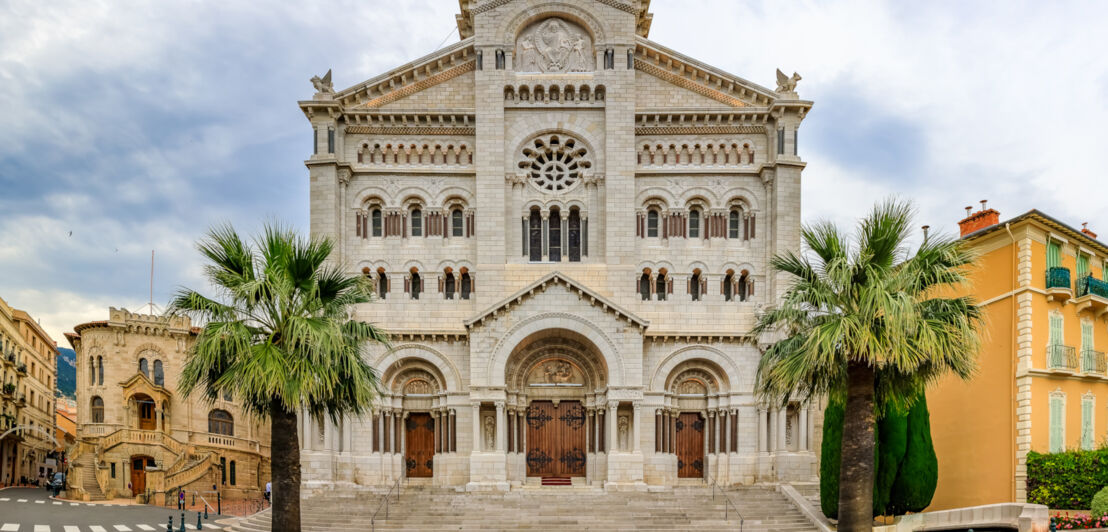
[1093, 362]
[22, 368]
[8, 389]
[1062, 357]
[1058, 277]
[1089, 285]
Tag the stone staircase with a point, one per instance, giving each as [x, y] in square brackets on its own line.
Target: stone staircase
[87, 463]
[559, 508]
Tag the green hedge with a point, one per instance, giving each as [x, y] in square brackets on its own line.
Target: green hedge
[1066, 481]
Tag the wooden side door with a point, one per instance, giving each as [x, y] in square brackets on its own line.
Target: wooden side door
[556, 439]
[420, 440]
[138, 475]
[690, 445]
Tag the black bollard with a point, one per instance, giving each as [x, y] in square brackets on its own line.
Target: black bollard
[169, 527]
[182, 529]
[219, 503]
[199, 523]
[205, 511]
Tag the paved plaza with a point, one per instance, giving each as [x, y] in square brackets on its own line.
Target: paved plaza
[33, 510]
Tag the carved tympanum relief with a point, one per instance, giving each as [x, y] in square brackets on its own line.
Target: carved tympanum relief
[554, 45]
[555, 372]
[418, 387]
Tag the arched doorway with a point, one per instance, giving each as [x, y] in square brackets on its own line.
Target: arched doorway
[557, 383]
[145, 408]
[428, 426]
[697, 430]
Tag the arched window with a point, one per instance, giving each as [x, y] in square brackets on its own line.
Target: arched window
[97, 410]
[652, 223]
[232, 472]
[555, 232]
[223, 469]
[417, 222]
[448, 284]
[221, 422]
[733, 224]
[743, 285]
[694, 285]
[382, 283]
[100, 370]
[144, 367]
[534, 239]
[575, 235]
[644, 285]
[375, 221]
[159, 373]
[467, 285]
[728, 286]
[694, 223]
[660, 285]
[416, 284]
[457, 224]
[91, 371]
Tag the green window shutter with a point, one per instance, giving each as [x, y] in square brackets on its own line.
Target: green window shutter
[1104, 270]
[1087, 336]
[1082, 265]
[1056, 335]
[1053, 255]
[1057, 425]
[1087, 423]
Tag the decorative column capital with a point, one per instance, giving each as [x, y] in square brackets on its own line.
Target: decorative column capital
[499, 405]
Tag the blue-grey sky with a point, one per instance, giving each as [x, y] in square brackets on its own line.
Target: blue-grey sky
[136, 125]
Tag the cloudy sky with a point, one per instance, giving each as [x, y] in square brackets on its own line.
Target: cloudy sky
[128, 126]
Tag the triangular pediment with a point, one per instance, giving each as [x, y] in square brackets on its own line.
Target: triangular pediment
[555, 278]
[700, 85]
[419, 76]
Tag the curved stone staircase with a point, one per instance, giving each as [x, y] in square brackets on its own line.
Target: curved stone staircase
[87, 462]
[440, 510]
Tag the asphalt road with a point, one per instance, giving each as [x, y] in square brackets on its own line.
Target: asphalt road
[32, 510]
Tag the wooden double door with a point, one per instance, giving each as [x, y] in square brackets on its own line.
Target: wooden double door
[420, 441]
[690, 445]
[138, 473]
[556, 439]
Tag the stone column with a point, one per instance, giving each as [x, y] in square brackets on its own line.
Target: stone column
[802, 430]
[403, 434]
[613, 431]
[158, 418]
[771, 429]
[782, 444]
[724, 431]
[501, 434]
[309, 434]
[347, 437]
[763, 425]
[453, 431]
[637, 424]
[476, 427]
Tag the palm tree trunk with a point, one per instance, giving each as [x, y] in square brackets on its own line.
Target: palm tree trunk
[856, 468]
[285, 456]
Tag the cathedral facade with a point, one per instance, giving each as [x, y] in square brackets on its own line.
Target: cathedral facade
[569, 228]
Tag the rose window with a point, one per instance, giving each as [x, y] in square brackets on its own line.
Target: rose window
[554, 164]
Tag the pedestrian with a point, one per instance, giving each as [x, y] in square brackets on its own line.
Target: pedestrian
[180, 499]
[268, 490]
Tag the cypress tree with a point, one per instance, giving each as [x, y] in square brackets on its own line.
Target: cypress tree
[919, 471]
[892, 444]
[830, 459]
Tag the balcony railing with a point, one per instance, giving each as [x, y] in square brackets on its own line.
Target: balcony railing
[1058, 277]
[1089, 285]
[1061, 357]
[1093, 362]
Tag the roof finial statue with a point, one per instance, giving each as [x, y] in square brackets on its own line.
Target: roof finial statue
[785, 83]
[323, 86]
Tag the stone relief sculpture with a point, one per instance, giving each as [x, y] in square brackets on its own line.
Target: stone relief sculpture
[623, 433]
[558, 371]
[785, 83]
[554, 45]
[323, 85]
[490, 433]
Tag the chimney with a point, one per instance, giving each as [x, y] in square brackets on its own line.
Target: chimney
[926, 229]
[976, 221]
[1085, 229]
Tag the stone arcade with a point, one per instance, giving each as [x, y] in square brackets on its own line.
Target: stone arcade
[569, 227]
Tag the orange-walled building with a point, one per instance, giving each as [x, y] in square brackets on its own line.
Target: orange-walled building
[1042, 383]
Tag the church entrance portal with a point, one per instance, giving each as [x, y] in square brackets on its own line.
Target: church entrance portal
[556, 439]
[690, 445]
[420, 438]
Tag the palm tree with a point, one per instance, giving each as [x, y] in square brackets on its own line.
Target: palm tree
[279, 338]
[869, 323]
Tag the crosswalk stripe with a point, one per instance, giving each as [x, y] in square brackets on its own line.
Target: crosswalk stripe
[123, 528]
[71, 528]
[40, 502]
[74, 504]
[10, 527]
[97, 528]
[145, 527]
[57, 503]
[42, 528]
[21, 500]
[5, 499]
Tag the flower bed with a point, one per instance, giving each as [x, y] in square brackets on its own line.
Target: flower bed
[1079, 522]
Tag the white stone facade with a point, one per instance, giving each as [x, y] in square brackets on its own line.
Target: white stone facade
[594, 225]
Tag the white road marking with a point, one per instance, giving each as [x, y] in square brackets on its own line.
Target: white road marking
[57, 503]
[145, 527]
[21, 500]
[74, 504]
[71, 528]
[123, 528]
[5, 499]
[97, 528]
[42, 528]
[10, 527]
[40, 502]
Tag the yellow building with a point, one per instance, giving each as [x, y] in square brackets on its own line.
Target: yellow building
[1041, 383]
[28, 370]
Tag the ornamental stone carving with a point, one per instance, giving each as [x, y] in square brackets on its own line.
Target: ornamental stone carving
[490, 433]
[555, 163]
[554, 45]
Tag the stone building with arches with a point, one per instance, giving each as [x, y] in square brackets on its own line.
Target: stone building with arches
[569, 227]
[137, 435]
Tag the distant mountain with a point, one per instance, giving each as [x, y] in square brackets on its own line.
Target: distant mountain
[67, 373]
